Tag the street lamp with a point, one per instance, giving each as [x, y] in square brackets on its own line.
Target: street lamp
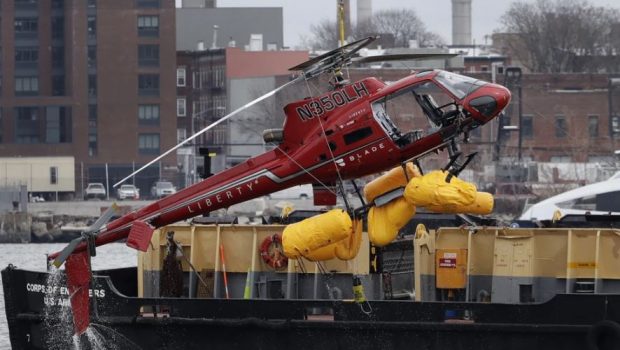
[197, 116]
[513, 75]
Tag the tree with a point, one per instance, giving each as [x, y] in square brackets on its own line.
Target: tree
[563, 36]
[404, 24]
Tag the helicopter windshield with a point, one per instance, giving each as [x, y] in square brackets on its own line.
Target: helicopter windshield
[459, 85]
[413, 112]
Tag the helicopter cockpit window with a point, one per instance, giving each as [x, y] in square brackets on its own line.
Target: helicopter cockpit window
[414, 112]
[458, 85]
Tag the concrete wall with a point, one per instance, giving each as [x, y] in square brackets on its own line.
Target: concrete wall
[35, 173]
[9, 196]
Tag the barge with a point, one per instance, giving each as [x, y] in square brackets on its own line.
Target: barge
[447, 288]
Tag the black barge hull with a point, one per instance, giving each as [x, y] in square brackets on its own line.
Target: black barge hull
[39, 318]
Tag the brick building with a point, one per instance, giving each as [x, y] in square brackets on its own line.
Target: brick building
[566, 118]
[91, 79]
[214, 82]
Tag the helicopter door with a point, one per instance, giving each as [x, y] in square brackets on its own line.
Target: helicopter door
[413, 112]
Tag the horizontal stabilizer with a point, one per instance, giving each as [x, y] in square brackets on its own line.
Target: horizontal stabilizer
[140, 236]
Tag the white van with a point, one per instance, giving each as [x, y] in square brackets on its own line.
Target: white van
[295, 192]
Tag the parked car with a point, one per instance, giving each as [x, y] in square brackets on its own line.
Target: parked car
[127, 192]
[295, 192]
[95, 190]
[162, 188]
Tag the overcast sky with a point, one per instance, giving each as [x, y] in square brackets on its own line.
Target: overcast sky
[299, 15]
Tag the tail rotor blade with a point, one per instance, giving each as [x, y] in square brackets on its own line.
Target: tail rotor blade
[64, 254]
[103, 219]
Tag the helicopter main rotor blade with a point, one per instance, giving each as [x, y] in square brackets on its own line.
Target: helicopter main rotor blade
[402, 57]
[354, 47]
[210, 126]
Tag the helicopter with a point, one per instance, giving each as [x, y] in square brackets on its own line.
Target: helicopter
[347, 132]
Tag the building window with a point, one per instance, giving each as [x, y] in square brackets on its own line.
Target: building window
[148, 143]
[58, 27]
[26, 26]
[26, 86]
[527, 127]
[92, 56]
[148, 55]
[181, 76]
[27, 125]
[92, 130]
[57, 124]
[615, 125]
[148, 3]
[181, 107]
[53, 175]
[58, 56]
[58, 4]
[26, 4]
[561, 127]
[148, 25]
[148, 85]
[181, 135]
[92, 3]
[92, 85]
[92, 145]
[92, 26]
[561, 159]
[148, 114]
[92, 118]
[26, 57]
[217, 76]
[58, 85]
[593, 125]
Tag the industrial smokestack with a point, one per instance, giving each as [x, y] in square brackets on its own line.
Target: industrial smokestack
[461, 22]
[364, 11]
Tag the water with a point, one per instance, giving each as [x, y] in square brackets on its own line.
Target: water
[32, 257]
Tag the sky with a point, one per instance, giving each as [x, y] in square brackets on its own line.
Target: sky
[299, 15]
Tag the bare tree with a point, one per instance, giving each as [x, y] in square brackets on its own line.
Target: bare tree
[563, 36]
[269, 113]
[324, 36]
[403, 24]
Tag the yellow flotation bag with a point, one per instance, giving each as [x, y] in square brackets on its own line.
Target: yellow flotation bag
[345, 249]
[432, 190]
[389, 181]
[304, 237]
[482, 205]
[385, 221]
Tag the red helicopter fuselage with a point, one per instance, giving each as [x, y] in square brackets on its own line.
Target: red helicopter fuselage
[342, 134]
